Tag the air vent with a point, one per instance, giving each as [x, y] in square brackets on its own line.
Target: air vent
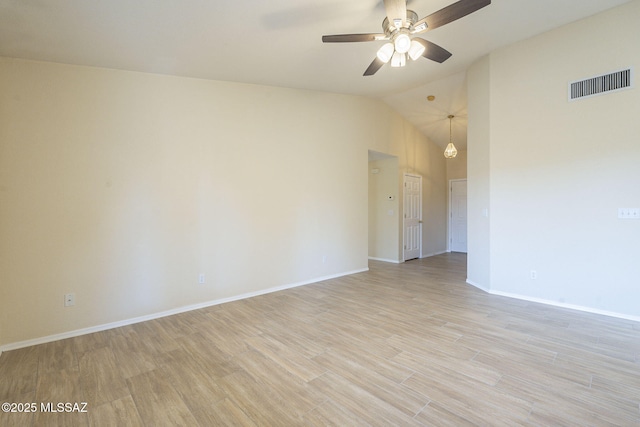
[613, 82]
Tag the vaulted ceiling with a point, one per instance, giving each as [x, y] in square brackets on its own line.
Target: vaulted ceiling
[278, 43]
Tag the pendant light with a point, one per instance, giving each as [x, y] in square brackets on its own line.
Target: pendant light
[450, 152]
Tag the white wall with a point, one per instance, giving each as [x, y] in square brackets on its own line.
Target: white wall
[122, 187]
[560, 170]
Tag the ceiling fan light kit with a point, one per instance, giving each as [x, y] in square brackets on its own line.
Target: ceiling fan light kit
[401, 25]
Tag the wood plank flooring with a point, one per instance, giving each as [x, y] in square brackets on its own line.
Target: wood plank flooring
[400, 345]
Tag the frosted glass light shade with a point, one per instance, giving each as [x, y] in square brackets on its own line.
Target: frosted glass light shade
[402, 43]
[450, 152]
[416, 50]
[385, 52]
[398, 60]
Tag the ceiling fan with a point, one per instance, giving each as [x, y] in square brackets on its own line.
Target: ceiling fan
[399, 27]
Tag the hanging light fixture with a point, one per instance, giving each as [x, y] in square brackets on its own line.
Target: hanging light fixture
[450, 152]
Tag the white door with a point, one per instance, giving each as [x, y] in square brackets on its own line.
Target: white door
[458, 216]
[412, 216]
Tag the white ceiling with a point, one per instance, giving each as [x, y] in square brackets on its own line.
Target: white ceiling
[278, 42]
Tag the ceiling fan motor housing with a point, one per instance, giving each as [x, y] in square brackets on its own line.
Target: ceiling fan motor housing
[390, 28]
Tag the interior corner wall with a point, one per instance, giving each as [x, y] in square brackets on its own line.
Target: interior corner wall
[124, 187]
[433, 170]
[417, 154]
[420, 156]
[384, 201]
[478, 174]
[559, 170]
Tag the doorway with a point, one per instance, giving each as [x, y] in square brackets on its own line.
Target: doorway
[458, 215]
[412, 224]
[384, 208]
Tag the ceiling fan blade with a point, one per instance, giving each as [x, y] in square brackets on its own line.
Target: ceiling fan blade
[347, 38]
[396, 9]
[432, 51]
[451, 13]
[374, 67]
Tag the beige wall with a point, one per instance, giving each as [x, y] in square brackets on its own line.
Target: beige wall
[560, 170]
[457, 167]
[384, 214]
[418, 155]
[478, 174]
[122, 187]
[415, 154]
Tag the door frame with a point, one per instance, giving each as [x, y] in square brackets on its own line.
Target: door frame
[404, 234]
[450, 211]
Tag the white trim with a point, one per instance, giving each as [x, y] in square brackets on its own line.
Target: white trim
[479, 286]
[433, 254]
[118, 324]
[569, 306]
[557, 304]
[395, 261]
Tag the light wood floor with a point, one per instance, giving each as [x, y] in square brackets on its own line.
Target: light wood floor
[407, 344]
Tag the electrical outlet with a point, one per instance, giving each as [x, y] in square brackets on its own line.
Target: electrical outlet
[201, 278]
[534, 275]
[69, 300]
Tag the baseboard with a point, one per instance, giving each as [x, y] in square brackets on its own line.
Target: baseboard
[565, 305]
[394, 261]
[479, 286]
[556, 304]
[400, 262]
[432, 254]
[118, 324]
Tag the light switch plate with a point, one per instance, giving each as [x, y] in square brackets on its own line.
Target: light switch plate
[69, 300]
[629, 213]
